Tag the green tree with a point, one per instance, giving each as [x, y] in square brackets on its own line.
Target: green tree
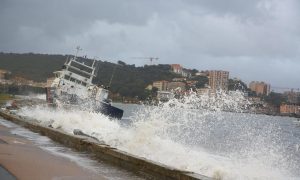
[201, 81]
[234, 85]
[275, 99]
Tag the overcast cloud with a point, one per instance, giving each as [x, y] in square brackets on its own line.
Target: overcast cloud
[253, 39]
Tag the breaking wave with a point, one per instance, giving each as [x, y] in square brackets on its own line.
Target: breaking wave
[203, 134]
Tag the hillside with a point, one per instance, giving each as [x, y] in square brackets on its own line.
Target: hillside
[37, 67]
[128, 80]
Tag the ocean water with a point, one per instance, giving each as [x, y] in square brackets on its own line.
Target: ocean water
[212, 136]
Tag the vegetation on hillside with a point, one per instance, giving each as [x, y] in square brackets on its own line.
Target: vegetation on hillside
[127, 80]
[124, 80]
[201, 81]
[275, 98]
[131, 81]
[37, 67]
[234, 85]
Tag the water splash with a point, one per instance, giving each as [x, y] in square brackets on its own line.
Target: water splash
[82, 159]
[193, 133]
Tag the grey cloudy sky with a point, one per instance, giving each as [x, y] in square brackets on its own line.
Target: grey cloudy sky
[253, 39]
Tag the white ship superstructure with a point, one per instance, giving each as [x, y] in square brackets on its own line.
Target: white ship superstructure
[73, 86]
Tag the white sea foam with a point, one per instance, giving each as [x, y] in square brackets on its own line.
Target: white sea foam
[191, 134]
[81, 159]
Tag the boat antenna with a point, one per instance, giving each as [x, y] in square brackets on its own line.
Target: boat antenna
[78, 49]
[112, 76]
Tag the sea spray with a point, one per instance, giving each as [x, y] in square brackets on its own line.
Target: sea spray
[192, 133]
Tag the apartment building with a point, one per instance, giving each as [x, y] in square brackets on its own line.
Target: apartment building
[261, 88]
[218, 80]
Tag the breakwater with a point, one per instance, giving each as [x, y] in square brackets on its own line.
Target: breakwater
[141, 166]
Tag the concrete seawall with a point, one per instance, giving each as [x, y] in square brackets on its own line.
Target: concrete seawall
[141, 166]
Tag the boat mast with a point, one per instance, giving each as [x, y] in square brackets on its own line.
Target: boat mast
[78, 49]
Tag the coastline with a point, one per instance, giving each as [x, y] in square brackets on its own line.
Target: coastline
[140, 166]
[24, 160]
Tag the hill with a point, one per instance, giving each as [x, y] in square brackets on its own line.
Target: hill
[128, 80]
[37, 67]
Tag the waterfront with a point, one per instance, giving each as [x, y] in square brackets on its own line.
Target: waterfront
[213, 143]
[29, 155]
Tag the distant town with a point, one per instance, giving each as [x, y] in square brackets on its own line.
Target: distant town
[257, 92]
[205, 82]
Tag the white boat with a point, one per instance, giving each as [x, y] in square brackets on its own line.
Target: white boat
[73, 88]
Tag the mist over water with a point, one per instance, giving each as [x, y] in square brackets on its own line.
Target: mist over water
[194, 134]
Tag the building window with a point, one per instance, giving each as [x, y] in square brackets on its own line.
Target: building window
[72, 79]
[67, 77]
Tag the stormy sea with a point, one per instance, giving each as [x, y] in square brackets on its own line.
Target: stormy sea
[216, 137]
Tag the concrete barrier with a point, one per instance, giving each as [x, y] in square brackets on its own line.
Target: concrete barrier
[141, 166]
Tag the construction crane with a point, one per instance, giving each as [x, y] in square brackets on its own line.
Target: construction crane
[151, 59]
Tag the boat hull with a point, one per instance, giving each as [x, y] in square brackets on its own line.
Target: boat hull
[110, 111]
[72, 101]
